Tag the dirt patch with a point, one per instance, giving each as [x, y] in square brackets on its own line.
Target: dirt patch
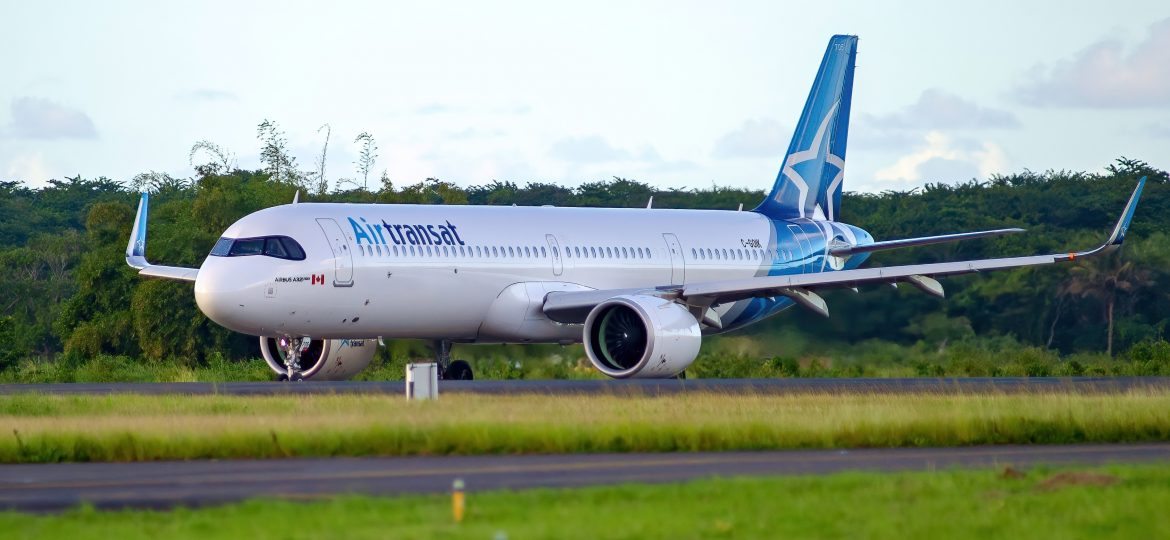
[1011, 473]
[1073, 478]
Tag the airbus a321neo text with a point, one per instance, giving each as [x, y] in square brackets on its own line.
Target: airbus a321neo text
[320, 284]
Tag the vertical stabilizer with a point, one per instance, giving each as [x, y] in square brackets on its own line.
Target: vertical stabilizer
[809, 183]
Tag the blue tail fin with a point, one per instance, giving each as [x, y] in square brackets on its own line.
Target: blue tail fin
[809, 183]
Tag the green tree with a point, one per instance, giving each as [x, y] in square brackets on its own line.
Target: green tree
[278, 163]
[96, 318]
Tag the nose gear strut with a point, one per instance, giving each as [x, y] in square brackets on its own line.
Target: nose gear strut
[293, 347]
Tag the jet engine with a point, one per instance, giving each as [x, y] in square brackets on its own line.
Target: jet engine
[641, 336]
[325, 359]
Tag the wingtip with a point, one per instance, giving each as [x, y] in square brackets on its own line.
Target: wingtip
[136, 246]
[1123, 223]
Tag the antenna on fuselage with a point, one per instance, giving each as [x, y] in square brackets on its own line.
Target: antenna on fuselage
[650, 203]
[297, 197]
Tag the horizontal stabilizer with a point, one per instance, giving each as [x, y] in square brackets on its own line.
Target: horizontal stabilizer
[844, 251]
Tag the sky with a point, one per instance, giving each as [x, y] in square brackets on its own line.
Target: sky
[674, 93]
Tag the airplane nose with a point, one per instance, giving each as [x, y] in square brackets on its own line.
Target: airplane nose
[221, 298]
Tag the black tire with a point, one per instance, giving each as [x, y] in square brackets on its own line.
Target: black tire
[297, 377]
[682, 375]
[282, 377]
[459, 370]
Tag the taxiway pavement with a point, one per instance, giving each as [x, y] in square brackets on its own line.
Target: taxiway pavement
[53, 487]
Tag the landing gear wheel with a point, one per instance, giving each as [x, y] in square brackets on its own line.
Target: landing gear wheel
[293, 347]
[682, 375]
[459, 370]
[283, 377]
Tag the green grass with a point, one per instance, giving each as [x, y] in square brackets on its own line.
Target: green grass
[52, 428]
[780, 354]
[951, 504]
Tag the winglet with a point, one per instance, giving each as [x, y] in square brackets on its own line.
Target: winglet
[1119, 230]
[136, 250]
[136, 247]
[1122, 226]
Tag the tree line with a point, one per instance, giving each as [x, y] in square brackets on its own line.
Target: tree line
[66, 291]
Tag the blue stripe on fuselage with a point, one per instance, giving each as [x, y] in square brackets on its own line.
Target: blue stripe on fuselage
[807, 249]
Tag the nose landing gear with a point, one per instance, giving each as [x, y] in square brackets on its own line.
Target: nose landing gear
[293, 347]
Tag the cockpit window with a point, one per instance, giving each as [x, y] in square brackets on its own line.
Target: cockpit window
[222, 247]
[293, 249]
[280, 247]
[247, 246]
[273, 247]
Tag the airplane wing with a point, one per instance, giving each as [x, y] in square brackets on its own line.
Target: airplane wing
[136, 250]
[844, 251]
[574, 306]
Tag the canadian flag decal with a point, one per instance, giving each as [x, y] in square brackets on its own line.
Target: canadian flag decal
[318, 279]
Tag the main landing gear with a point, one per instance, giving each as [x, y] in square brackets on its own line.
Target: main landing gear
[458, 370]
[292, 348]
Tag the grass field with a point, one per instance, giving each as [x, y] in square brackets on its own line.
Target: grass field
[1112, 502]
[44, 428]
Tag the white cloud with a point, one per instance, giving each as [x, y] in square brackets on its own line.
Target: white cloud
[940, 155]
[755, 138]
[29, 169]
[1160, 131]
[433, 108]
[1105, 75]
[39, 118]
[590, 149]
[208, 94]
[938, 109]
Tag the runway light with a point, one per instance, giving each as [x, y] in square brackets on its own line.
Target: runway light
[457, 500]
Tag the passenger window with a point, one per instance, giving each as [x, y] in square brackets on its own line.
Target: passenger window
[544, 253]
[527, 252]
[577, 250]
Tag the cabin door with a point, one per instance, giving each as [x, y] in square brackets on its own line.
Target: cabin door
[677, 265]
[342, 255]
[555, 248]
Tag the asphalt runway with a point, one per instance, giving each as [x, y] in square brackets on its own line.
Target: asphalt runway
[648, 387]
[54, 487]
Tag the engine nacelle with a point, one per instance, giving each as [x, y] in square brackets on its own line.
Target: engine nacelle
[641, 336]
[325, 359]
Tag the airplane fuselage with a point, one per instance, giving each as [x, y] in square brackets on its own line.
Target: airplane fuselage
[480, 273]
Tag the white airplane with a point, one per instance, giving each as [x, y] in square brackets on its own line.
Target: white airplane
[321, 284]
